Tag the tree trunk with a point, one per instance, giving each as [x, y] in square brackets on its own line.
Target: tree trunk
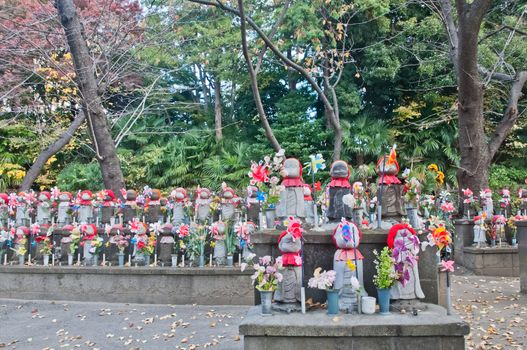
[49, 151]
[104, 146]
[217, 109]
[473, 148]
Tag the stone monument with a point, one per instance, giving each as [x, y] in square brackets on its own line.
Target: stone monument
[338, 188]
[85, 213]
[292, 197]
[347, 263]
[44, 208]
[180, 199]
[287, 294]
[202, 205]
[64, 208]
[390, 192]
[403, 241]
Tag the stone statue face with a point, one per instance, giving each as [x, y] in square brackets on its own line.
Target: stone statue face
[339, 169]
[204, 195]
[131, 195]
[179, 195]
[41, 197]
[85, 196]
[389, 169]
[64, 197]
[307, 191]
[227, 195]
[155, 195]
[107, 198]
[291, 168]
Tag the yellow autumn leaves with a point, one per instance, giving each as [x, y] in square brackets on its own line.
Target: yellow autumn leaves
[13, 172]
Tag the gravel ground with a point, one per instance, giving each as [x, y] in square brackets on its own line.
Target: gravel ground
[78, 325]
[492, 306]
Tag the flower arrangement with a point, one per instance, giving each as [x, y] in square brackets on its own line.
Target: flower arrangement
[121, 241]
[230, 238]
[266, 276]
[511, 223]
[46, 244]
[412, 190]
[385, 275]
[470, 200]
[75, 238]
[197, 240]
[20, 249]
[322, 280]
[96, 246]
[243, 232]
[147, 247]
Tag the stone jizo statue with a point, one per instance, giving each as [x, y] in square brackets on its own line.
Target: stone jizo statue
[403, 241]
[292, 197]
[338, 188]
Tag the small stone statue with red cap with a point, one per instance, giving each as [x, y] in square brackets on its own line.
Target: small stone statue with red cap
[253, 204]
[44, 207]
[480, 229]
[403, 241]
[64, 208]
[202, 204]
[85, 214]
[390, 191]
[347, 263]
[338, 188]
[290, 245]
[153, 205]
[229, 202]
[130, 206]
[107, 206]
[180, 200]
[292, 197]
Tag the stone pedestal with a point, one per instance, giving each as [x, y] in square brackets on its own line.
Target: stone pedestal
[431, 329]
[319, 250]
[463, 237]
[492, 261]
[522, 253]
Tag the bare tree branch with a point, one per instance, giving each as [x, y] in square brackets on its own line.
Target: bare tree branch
[254, 83]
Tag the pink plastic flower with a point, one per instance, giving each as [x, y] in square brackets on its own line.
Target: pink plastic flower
[447, 265]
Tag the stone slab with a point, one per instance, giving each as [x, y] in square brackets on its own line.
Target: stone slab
[431, 329]
[492, 261]
[319, 250]
[152, 285]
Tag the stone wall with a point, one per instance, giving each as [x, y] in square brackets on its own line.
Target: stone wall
[205, 286]
[319, 250]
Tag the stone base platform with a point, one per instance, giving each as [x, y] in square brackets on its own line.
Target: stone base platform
[431, 330]
[492, 261]
[151, 285]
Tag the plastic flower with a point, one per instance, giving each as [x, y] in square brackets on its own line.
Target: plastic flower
[467, 192]
[317, 163]
[433, 167]
[447, 265]
[183, 231]
[440, 178]
[448, 207]
[259, 173]
[318, 186]
[441, 237]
